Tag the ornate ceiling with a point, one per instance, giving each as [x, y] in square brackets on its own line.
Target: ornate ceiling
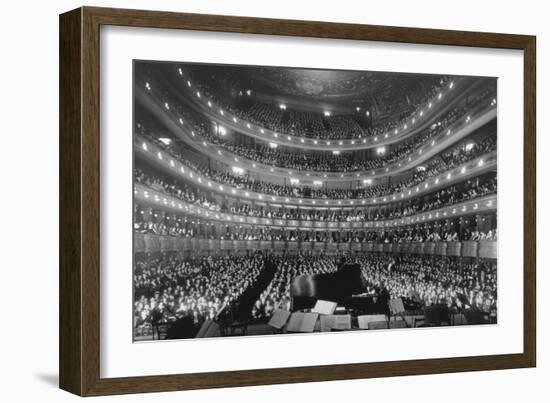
[342, 90]
[334, 84]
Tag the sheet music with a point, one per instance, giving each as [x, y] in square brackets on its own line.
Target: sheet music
[337, 322]
[303, 322]
[324, 307]
[279, 318]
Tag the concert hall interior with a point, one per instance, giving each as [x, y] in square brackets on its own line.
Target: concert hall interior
[275, 200]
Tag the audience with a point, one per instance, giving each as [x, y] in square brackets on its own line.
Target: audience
[468, 190]
[431, 280]
[318, 125]
[327, 161]
[443, 162]
[473, 228]
[168, 286]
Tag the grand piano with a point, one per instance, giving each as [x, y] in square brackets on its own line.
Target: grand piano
[347, 287]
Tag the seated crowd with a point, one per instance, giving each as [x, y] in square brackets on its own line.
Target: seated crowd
[316, 124]
[427, 280]
[168, 286]
[474, 228]
[471, 189]
[327, 161]
[436, 165]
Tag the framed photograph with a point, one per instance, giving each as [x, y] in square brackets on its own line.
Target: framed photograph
[249, 201]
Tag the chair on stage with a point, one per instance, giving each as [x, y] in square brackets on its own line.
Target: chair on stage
[160, 329]
[397, 309]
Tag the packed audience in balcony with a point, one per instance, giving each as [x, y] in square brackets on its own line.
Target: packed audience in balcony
[327, 161]
[469, 190]
[436, 165]
[317, 124]
[469, 228]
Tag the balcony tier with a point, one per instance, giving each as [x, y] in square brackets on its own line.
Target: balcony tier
[149, 243]
[176, 168]
[478, 117]
[156, 199]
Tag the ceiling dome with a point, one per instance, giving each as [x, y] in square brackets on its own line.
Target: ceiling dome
[324, 84]
[341, 91]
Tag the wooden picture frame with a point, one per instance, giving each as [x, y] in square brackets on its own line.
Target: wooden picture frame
[79, 348]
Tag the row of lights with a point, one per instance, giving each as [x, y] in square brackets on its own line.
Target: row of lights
[327, 113]
[379, 151]
[239, 171]
[409, 220]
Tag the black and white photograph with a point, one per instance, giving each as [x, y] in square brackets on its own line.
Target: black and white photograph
[272, 200]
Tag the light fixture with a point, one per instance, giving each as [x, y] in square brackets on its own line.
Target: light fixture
[237, 170]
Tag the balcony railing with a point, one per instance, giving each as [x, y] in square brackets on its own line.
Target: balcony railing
[150, 243]
[478, 116]
[430, 110]
[176, 168]
[150, 197]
